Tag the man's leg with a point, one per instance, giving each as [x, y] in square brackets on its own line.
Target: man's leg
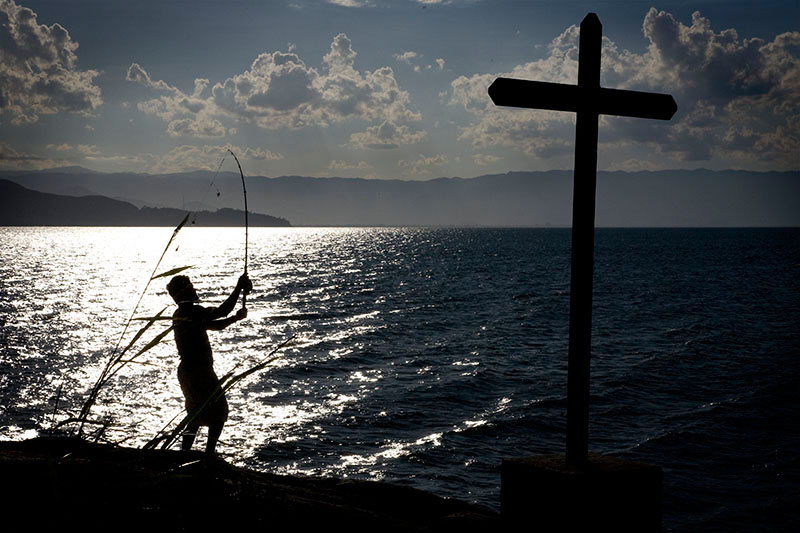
[188, 437]
[214, 431]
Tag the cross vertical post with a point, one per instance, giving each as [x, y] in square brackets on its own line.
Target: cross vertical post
[588, 100]
[582, 262]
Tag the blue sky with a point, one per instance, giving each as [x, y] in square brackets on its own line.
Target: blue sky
[391, 89]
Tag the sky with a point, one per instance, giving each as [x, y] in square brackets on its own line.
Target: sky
[387, 89]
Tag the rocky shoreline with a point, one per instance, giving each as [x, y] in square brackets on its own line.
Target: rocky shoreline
[59, 483]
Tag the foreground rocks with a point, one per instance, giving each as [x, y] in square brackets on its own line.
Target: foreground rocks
[50, 483]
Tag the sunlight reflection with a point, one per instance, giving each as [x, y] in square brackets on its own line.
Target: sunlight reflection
[86, 282]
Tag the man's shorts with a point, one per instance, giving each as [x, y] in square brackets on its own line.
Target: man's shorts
[198, 385]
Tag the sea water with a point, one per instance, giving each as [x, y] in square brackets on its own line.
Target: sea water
[424, 356]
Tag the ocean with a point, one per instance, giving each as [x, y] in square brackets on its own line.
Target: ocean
[424, 356]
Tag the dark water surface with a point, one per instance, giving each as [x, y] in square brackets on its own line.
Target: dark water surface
[426, 356]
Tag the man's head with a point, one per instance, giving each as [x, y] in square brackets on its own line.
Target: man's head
[182, 290]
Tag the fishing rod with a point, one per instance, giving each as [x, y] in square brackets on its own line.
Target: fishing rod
[246, 223]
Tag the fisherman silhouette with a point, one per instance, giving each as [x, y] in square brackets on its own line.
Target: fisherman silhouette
[196, 369]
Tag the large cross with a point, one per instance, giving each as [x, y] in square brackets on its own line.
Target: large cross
[588, 100]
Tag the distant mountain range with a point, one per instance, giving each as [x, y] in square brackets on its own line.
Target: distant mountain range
[670, 198]
[25, 207]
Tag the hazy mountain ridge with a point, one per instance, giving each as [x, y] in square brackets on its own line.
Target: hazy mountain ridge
[20, 206]
[644, 199]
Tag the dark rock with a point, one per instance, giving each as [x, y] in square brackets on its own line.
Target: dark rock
[50, 483]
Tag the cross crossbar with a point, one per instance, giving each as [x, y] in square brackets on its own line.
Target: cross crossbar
[563, 97]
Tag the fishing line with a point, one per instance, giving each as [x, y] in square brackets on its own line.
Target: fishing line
[211, 184]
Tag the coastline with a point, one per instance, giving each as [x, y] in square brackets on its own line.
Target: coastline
[62, 482]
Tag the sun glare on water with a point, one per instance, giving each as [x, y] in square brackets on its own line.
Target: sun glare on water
[88, 282]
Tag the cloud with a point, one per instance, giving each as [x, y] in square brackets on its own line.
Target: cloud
[346, 165]
[83, 153]
[485, 159]
[206, 157]
[178, 159]
[196, 128]
[88, 149]
[423, 165]
[280, 90]
[82, 149]
[407, 58]
[261, 154]
[737, 97]
[349, 3]
[9, 153]
[64, 147]
[38, 68]
[128, 160]
[410, 58]
[14, 159]
[185, 114]
[137, 74]
[386, 136]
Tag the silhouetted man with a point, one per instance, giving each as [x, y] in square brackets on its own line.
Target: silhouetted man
[196, 369]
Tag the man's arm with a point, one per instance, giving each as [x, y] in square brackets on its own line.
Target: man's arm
[216, 325]
[230, 302]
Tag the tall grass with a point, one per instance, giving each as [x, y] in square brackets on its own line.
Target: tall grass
[117, 360]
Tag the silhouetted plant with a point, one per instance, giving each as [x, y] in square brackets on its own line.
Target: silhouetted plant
[116, 361]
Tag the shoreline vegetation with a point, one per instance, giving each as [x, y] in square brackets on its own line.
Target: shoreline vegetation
[20, 206]
[51, 482]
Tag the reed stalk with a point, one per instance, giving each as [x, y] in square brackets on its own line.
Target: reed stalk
[116, 362]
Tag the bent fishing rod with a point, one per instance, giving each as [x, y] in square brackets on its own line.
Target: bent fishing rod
[246, 224]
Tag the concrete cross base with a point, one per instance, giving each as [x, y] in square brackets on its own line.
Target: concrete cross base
[545, 493]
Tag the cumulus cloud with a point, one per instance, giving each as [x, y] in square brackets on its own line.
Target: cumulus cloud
[206, 157]
[408, 58]
[38, 68]
[736, 97]
[261, 154]
[405, 57]
[423, 164]
[185, 114]
[280, 90]
[386, 136]
[137, 74]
